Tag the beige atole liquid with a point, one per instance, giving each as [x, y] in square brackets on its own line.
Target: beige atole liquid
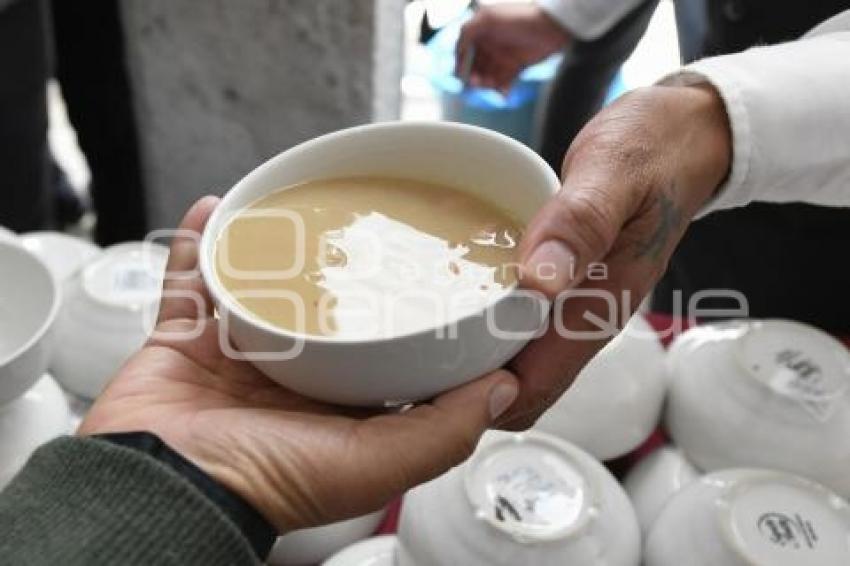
[373, 257]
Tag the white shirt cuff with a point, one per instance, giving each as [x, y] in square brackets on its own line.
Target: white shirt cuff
[587, 19]
[789, 115]
[735, 191]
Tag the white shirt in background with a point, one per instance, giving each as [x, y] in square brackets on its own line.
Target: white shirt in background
[789, 110]
[588, 19]
[788, 107]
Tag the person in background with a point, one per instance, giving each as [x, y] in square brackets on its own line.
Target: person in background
[24, 156]
[596, 38]
[82, 44]
[91, 67]
[190, 457]
[748, 249]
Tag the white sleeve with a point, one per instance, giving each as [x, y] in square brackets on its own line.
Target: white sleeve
[588, 19]
[789, 111]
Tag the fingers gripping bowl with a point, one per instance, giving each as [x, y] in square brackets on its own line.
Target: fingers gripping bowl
[411, 365]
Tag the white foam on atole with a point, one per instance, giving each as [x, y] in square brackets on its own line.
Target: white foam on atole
[381, 288]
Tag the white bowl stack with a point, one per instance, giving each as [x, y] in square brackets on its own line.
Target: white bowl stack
[66, 305]
[766, 394]
[110, 308]
[759, 416]
[764, 408]
[528, 498]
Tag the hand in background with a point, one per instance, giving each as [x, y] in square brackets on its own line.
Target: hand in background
[298, 462]
[506, 39]
[632, 181]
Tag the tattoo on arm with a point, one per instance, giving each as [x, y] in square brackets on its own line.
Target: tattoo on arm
[670, 220]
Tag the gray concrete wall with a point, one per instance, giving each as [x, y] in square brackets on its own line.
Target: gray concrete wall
[222, 85]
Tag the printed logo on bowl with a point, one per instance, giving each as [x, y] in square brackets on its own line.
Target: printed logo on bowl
[790, 523]
[798, 362]
[128, 278]
[529, 489]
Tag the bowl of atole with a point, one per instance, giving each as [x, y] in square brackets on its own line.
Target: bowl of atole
[379, 264]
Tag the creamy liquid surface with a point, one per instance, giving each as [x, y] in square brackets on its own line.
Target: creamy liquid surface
[373, 257]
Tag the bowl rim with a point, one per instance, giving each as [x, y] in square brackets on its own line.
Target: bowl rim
[61, 244]
[729, 488]
[52, 313]
[229, 306]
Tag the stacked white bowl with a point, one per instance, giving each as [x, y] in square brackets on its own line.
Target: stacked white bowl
[751, 517]
[655, 480]
[32, 408]
[520, 499]
[110, 306]
[764, 408]
[764, 394]
[759, 405]
[80, 311]
[615, 402]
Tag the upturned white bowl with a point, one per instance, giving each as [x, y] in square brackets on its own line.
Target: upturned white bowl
[109, 309]
[414, 366]
[63, 254]
[654, 480]
[376, 551]
[29, 303]
[39, 415]
[307, 547]
[615, 402]
[747, 517]
[7, 235]
[521, 499]
[766, 394]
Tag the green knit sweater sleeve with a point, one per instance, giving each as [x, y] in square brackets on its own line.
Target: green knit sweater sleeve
[87, 502]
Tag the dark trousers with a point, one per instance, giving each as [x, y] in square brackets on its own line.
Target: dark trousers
[92, 71]
[25, 202]
[581, 84]
[89, 62]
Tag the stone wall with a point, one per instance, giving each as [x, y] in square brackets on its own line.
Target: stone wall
[222, 85]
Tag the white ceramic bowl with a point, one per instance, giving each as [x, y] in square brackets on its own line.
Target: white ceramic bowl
[39, 415]
[772, 394]
[521, 499]
[654, 480]
[751, 518]
[307, 547]
[29, 303]
[110, 307]
[376, 551]
[615, 403]
[63, 254]
[405, 367]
